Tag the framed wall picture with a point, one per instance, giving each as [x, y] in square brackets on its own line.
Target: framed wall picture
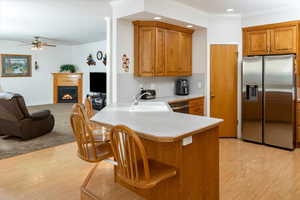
[13, 65]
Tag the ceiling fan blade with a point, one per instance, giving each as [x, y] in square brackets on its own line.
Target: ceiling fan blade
[48, 45]
[50, 39]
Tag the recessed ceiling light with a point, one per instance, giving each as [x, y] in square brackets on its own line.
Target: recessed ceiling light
[189, 26]
[229, 10]
[157, 18]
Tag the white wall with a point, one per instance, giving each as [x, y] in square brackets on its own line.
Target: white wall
[272, 16]
[38, 88]
[79, 56]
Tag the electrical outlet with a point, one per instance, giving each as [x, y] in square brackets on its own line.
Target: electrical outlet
[186, 141]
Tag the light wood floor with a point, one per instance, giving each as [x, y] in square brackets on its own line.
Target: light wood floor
[248, 171]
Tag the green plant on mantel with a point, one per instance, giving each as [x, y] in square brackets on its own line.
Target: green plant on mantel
[67, 68]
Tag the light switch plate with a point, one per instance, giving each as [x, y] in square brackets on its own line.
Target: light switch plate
[186, 141]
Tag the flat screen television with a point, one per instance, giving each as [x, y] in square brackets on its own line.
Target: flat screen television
[98, 82]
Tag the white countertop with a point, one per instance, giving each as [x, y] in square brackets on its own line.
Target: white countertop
[162, 126]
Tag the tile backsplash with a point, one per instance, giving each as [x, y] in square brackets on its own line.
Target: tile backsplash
[129, 85]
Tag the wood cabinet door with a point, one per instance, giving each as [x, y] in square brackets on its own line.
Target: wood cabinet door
[147, 45]
[196, 106]
[284, 40]
[172, 52]
[258, 42]
[185, 59]
[160, 52]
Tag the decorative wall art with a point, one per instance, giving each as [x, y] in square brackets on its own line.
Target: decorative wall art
[90, 60]
[13, 65]
[101, 57]
[36, 65]
[125, 63]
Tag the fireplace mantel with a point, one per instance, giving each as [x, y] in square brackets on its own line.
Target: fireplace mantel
[67, 79]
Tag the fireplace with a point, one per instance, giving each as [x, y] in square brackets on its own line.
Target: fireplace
[67, 94]
[67, 87]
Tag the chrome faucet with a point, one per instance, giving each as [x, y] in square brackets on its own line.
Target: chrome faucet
[138, 97]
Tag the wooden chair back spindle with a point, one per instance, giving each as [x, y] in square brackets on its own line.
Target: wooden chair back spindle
[89, 107]
[129, 152]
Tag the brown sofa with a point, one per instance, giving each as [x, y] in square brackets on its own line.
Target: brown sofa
[15, 120]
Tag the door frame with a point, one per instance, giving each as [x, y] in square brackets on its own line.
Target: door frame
[238, 85]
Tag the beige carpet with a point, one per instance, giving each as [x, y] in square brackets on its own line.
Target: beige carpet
[61, 133]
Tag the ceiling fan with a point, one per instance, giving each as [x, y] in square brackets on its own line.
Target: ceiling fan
[38, 44]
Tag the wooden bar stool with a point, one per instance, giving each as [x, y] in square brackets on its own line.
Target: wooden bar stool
[89, 149]
[134, 168]
[101, 133]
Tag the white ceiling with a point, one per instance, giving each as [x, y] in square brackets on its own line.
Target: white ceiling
[68, 21]
[82, 21]
[243, 7]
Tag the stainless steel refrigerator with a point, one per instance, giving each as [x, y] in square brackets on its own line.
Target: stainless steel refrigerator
[268, 100]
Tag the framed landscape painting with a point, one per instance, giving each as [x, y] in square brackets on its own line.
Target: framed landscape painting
[13, 65]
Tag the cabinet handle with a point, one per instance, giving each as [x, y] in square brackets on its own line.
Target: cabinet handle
[179, 107]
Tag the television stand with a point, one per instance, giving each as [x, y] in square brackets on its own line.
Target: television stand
[98, 100]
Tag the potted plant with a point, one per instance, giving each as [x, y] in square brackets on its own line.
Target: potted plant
[68, 68]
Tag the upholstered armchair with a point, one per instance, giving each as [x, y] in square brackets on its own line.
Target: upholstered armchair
[15, 120]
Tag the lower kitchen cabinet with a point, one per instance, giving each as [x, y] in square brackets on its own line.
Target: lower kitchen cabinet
[196, 106]
[193, 106]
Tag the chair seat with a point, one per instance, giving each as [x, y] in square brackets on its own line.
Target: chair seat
[103, 151]
[158, 172]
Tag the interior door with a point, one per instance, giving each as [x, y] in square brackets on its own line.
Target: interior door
[224, 87]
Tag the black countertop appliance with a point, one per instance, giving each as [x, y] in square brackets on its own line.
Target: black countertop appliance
[182, 87]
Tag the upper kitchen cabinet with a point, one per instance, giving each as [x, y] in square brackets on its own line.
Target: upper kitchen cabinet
[147, 51]
[284, 40]
[271, 39]
[172, 49]
[257, 42]
[185, 50]
[162, 49]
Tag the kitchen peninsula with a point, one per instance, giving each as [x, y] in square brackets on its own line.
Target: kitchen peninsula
[189, 143]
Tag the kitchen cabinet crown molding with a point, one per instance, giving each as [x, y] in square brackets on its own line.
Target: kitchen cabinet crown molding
[163, 25]
[271, 26]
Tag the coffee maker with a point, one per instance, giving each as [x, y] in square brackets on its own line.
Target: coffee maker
[182, 87]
